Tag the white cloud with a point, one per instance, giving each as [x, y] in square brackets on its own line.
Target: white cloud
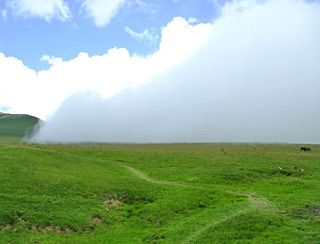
[255, 79]
[16, 80]
[193, 20]
[4, 14]
[47, 58]
[46, 9]
[43, 92]
[145, 35]
[146, 7]
[102, 11]
[181, 39]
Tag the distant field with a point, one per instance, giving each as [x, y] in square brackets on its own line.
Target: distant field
[170, 193]
[13, 127]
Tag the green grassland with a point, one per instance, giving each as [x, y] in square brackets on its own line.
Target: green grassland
[13, 127]
[168, 193]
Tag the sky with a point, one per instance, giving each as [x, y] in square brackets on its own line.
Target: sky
[60, 28]
[163, 71]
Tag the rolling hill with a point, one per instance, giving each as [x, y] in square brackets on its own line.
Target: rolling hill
[16, 126]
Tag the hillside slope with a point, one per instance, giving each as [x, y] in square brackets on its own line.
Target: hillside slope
[16, 126]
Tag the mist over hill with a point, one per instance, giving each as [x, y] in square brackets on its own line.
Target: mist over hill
[17, 126]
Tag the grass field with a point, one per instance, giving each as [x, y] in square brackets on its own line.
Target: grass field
[13, 127]
[169, 193]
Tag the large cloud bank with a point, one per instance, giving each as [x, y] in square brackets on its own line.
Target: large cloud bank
[40, 93]
[255, 79]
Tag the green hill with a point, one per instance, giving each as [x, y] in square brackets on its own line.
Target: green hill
[16, 126]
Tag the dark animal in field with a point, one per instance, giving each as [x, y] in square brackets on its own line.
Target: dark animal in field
[305, 149]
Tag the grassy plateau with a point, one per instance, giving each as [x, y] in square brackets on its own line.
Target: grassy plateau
[165, 193]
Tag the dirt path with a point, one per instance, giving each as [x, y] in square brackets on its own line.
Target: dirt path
[147, 178]
[255, 202]
[197, 233]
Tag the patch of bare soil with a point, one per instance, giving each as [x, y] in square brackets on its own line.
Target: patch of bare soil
[51, 228]
[38, 230]
[302, 214]
[7, 226]
[97, 219]
[112, 202]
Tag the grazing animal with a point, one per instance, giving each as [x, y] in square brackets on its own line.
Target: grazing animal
[305, 149]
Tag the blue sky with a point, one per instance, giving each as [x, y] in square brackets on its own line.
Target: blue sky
[27, 34]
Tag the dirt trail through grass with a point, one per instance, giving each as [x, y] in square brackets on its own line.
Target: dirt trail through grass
[197, 233]
[255, 202]
[147, 178]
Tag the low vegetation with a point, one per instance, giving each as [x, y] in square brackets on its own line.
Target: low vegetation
[13, 127]
[169, 193]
